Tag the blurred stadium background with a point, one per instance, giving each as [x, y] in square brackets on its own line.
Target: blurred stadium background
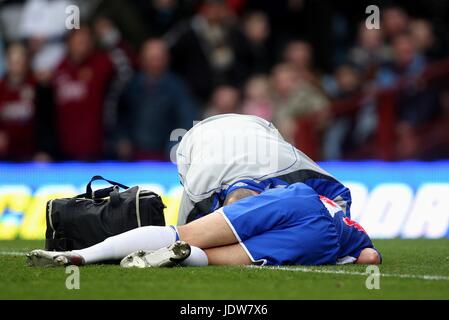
[371, 105]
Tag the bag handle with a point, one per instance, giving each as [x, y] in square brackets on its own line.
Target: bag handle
[102, 192]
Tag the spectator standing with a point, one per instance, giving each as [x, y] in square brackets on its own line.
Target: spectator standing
[80, 83]
[257, 100]
[43, 26]
[416, 105]
[423, 37]
[254, 48]
[225, 99]
[202, 49]
[295, 98]
[2, 57]
[153, 104]
[348, 80]
[17, 108]
[370, 52]
[124, 61]
[160, 16]
[407, 62]
[351, 130]
[298, 55]
[395, 21]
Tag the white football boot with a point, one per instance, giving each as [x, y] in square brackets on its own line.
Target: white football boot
[42, 258]
[165, 257]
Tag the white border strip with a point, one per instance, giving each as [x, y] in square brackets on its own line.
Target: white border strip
[355, 273]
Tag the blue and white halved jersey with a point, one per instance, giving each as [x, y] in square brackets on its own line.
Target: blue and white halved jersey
[230, 151]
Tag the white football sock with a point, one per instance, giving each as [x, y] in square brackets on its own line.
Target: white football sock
[119, 246]
[197, 258]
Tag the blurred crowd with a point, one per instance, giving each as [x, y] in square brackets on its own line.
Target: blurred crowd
[136, 70]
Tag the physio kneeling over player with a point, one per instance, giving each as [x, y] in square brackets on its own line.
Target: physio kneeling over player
[282, 226]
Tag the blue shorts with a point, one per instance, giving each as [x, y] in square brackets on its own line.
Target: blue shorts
[285, 226]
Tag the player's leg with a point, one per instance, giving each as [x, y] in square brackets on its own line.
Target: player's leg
[197, 258]
[233, 254]
[206, 232]
[227, 255]
[112, 248]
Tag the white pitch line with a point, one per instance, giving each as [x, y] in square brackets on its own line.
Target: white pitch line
[355, 273]
[12, 253]
[311, 270]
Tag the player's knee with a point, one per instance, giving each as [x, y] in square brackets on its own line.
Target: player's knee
[373, 258]
[184, 233]
[369, 256]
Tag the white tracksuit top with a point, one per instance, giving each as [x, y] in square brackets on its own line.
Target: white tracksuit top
[222, 150]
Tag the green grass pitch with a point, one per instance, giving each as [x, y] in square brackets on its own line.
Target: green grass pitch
[412, 269]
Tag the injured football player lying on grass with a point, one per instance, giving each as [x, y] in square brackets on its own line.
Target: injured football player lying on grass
[281, 226]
